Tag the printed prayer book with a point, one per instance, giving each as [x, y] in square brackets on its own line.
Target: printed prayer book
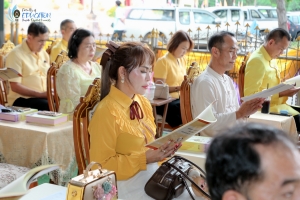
[288, 84]
[21, 185]
[8, 73]
[47, 120]
[196, 144]
[201, 122]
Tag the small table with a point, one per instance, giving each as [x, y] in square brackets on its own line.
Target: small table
[160, 102]
[30, 145]
[285, 123]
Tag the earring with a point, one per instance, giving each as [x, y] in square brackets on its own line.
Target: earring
[122, 80]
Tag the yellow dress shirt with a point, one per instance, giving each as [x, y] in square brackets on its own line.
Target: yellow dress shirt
[261, 71]
[33, 68]
[171, 69]
[56, 49]
[116, 141]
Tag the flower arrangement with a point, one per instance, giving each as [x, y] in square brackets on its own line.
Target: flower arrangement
[106, 190]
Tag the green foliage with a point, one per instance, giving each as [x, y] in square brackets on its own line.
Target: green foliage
[6, 4]
[292, 5]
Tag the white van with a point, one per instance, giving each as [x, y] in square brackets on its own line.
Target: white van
[265, 17]
[140, 21]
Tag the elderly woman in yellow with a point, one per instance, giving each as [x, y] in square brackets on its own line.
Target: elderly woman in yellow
[75, 76]
[171, 69]
[123, 122]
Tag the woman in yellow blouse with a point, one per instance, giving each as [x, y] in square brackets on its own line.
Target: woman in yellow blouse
[171, 69]
[75, 76]
[123, 122]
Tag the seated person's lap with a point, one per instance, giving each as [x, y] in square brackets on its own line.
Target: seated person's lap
[37, 103]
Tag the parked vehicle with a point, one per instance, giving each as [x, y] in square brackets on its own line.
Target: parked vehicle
[294, 24]
[262, 16]
[141, 20]
[294, 29]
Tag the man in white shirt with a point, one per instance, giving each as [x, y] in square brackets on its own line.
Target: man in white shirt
[213, 84]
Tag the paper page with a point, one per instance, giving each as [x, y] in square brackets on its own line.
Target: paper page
[20, 186]
[269, 92]
[56, 196]
[8, 73]
[202, 121]
[294, 80]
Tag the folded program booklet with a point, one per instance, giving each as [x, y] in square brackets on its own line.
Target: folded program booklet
[288, 84]
[8, 73]
[201, 122]
[21, 185]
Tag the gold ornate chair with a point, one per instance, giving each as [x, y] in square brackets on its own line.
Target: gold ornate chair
[53, 98]
[241, 79]
[185, 92]
[3, 92]
[62, 58]
[52, 43]
[81, 118]
[4, 85]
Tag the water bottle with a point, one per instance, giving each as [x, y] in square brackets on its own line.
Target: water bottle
[150, 91]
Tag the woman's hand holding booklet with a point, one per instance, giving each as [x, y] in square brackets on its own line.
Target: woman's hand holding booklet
[201, 122]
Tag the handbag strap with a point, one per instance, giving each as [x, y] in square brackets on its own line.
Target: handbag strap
[188, 189]
[179, 157]
[186, 176]
[86, 171]
[160, 82]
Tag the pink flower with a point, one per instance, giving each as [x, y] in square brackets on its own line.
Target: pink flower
[113, 191]
[108, 196]
[98, 192]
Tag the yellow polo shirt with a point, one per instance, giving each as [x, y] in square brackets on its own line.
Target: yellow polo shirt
[33, 68]
[56, 49]
[170, 69]
[262, 70]
[116, 141]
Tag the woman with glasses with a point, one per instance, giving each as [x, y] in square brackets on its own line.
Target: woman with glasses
[75, 76]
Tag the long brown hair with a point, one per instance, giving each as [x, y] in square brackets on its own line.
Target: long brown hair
[129, 55]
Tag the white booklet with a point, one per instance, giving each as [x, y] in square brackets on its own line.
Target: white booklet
[288, 84]
[8, 73]
[201, 122]
[21, 185]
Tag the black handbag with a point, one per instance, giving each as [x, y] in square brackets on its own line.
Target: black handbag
[169, 180]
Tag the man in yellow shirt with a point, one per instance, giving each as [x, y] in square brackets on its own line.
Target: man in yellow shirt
[67, 27]
[32, 62]
[262, 72]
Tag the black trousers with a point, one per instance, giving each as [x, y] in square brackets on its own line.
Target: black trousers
[297, 118]
[36, 103]
[173, 114]
[120, 35]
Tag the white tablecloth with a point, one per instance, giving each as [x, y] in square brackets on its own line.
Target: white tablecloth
[32, 145]
[285, 123]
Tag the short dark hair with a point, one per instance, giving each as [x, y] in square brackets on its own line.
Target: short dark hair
[64, 23]
[177, 38]
[277, 34]
[129, 55]
[118, 3]
[75, 41]
[217, 39]
[36, 28]
[232, 161]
